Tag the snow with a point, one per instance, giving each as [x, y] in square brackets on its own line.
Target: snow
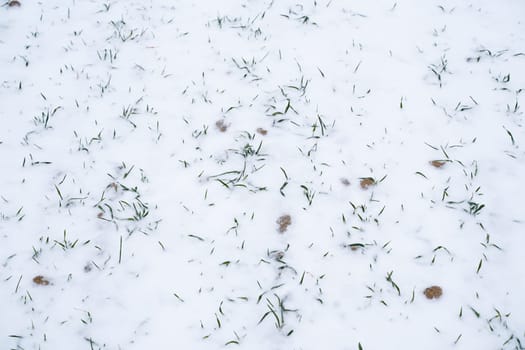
[149, 149]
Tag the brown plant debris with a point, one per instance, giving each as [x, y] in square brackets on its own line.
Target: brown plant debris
[433, 292]
[284, 221]
[356, 246]
[262, 131]
[221, 125]
[437, 163]
[367, 182]
[88, 268]
[40, 280]
[14, 3]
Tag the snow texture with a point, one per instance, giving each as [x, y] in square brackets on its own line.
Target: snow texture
[270, 174]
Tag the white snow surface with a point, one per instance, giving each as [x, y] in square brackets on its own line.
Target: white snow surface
[155, 229]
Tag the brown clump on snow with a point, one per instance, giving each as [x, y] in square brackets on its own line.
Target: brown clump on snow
[221, 125]
[284, 221]
[437, 163]
[14, 3]
[262, 131]
[40, 280]
[367, 182]
[433, 292]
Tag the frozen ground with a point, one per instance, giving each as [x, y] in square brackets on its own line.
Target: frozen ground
[149, 148]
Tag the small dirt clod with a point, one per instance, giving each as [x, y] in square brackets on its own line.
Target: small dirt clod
[40, 280]
[437, 163]
[88, 268]
[367, 182]
[221, 125]
[262, 131]
[284, 221]
[433, 292]
[14, 3]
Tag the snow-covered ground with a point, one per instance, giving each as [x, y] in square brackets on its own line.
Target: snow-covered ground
[262, 174]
